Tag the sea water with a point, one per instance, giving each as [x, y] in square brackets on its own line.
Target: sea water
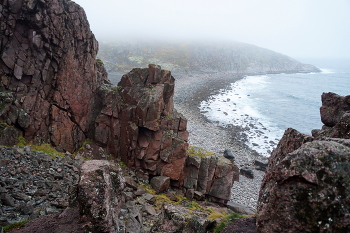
[266, 105]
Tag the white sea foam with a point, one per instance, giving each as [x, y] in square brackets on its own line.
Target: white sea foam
[327, 71]
[236, 107]
[266, 105]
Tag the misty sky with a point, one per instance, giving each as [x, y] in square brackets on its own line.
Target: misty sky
[297, 28]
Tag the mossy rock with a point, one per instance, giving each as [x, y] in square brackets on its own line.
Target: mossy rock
[199, 152]
[99, 61]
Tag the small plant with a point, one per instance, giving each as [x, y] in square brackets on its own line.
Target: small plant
[87, 141]
[116, 88]
[226, 220]
[162, 198]
[170, 133]
[195, 206]
[167, 117]
[99, 61]
[215, 215]
[21, 142]
[47, 149]
[13, 226]
[122, 164]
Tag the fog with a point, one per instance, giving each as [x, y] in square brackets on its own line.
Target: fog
[297, 28]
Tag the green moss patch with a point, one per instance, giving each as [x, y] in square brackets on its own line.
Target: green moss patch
[199, 152]
[99, 61]
[14, 226]
[226, 220]
[45, 148]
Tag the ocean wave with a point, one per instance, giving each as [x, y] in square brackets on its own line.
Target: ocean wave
[327, 71]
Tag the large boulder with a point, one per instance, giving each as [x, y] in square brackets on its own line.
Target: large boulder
[209, 174]
[335, 115]
[99, 194]
[333, 108]
[305, 188]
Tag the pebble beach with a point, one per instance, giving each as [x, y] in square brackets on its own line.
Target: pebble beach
[190, 90]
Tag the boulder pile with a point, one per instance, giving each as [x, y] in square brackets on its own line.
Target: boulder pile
[33, 183]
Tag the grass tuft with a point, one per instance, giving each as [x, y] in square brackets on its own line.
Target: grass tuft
[13, 226]
[226, 220]
[45, 148]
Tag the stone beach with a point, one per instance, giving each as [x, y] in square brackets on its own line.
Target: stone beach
[190, 90]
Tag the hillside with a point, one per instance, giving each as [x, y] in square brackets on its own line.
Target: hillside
[233, 57]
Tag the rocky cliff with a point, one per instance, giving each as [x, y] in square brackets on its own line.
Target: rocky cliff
[235, 57]
[49, 76]
[54, 91]
[305, 188]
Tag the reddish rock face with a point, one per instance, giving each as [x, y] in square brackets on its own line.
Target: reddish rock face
[47, 64]
[53, 91]
[305, 187]
[138, 123]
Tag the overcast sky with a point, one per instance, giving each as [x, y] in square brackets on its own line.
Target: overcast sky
[297, 28]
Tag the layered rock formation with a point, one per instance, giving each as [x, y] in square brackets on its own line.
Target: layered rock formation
[305, 188]
[209, 174]
[138, 123]
[52, 91]
[49, 76]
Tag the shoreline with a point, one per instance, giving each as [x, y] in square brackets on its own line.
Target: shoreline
[190, 90]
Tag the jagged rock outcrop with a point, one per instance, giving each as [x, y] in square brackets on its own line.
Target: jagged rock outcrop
[49, 75]
[53, 91]
[335, 115]
[139, 123]
[305, 187]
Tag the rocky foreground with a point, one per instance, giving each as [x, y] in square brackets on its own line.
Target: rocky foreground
[54, 92]
[67, 194]
[306, 185]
